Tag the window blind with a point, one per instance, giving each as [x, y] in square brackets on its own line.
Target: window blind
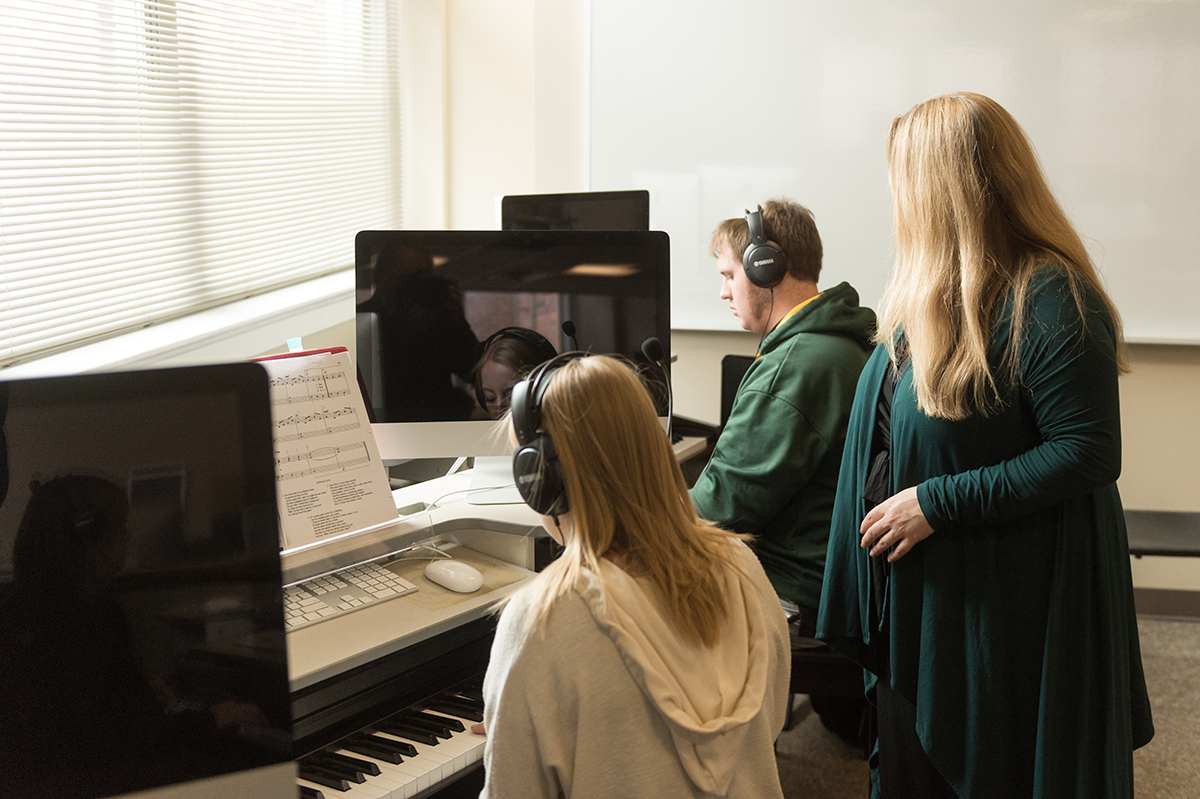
[158, 157]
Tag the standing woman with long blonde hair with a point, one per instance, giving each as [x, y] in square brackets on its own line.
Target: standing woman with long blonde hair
[651, 659]
[978, 565]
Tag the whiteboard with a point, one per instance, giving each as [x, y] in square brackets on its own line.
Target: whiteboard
[715, 106]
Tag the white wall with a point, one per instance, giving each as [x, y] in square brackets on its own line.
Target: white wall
[518, 87]
[714, 106]
[516, 104]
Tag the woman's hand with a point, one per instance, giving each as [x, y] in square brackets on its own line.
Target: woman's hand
[478, 729]
[897, 521]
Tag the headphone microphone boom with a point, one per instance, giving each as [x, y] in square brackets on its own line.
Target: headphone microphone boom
[652, 348]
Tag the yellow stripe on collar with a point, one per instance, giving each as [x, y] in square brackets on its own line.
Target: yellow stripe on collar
[789, 315]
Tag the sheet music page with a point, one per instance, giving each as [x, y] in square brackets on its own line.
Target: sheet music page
[328, 475]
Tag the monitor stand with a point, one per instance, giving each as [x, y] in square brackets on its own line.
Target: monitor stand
[492, 482]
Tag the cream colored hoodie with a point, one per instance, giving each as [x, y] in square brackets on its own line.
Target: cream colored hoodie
[611, 702]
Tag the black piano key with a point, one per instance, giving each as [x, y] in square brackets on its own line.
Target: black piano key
[453, 724]
[322, 777]
[425, 724]
[460, 709]
[410, 732]
[473, 694]
[337, 769]
[310, 793]
[365, 766]
[377, 752]
[391, 744]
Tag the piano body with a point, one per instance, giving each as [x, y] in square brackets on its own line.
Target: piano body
[394, 687]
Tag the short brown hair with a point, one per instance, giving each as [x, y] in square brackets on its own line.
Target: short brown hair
[788, 224]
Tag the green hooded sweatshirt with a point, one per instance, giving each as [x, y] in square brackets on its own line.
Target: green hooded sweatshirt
[774, 470]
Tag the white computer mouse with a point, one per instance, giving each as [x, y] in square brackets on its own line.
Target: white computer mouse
[454, 575]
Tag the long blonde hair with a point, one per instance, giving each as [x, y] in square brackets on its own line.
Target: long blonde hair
[974, 220]
[628, 498]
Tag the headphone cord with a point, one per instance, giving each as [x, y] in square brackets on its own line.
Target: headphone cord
[770, 313]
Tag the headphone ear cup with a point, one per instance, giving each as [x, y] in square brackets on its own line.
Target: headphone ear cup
[538, 475]
[765, 264]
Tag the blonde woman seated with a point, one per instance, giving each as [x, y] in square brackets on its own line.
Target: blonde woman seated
[651, 658]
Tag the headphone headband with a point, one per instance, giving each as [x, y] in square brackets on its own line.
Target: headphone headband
[754, 222]
[530, 337]
[527, 396]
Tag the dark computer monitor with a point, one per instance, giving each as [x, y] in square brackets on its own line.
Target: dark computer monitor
[432, 303]
[141, 625]
[584, 210]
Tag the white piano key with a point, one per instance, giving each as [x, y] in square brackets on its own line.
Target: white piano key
[465, 747]
[389, 788]
[461, 747]
[363, 790]
[440, 766]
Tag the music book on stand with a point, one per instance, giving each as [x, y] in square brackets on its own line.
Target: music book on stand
[329, 477]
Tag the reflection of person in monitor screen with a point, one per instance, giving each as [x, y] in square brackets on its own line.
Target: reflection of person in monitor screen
[509, 355]
[429, 343]
[80, 717]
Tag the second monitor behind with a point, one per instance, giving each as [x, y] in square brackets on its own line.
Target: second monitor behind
[585, 210]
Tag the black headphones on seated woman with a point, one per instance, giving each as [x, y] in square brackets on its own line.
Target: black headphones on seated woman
[536, 468]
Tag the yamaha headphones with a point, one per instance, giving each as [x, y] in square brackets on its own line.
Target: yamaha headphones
[542, 348]
[764, 261]
[536, 468]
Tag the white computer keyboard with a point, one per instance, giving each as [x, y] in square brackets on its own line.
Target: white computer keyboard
[343, 592]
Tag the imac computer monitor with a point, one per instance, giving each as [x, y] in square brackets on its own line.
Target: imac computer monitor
[141, 623]
[584, 210]
[449, 320]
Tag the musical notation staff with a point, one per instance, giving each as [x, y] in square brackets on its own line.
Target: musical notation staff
[316, 423]
[313, 384]
[321, 460]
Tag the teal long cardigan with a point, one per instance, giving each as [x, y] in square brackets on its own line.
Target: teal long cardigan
[1011, 628]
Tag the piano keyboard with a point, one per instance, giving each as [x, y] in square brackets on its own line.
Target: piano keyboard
[402, 756]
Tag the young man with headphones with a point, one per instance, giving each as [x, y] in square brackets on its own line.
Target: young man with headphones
[774, 470]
